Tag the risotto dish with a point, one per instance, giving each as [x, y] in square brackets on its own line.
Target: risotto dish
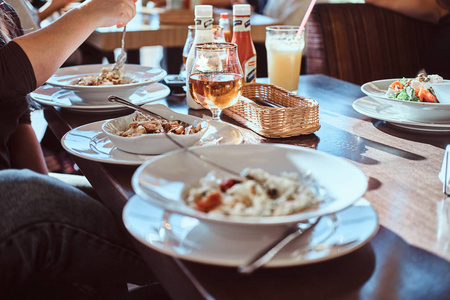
[254, 193]
[108, 76]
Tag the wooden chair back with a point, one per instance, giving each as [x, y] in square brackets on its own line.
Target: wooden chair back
[361, 42]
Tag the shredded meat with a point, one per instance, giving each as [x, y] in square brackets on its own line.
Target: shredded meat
[144, 124]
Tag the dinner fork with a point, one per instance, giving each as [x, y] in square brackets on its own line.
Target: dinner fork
[121, 59]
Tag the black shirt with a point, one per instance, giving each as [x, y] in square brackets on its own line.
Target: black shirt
[17, 79]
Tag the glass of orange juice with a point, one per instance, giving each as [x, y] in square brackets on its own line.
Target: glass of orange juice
[284, 55]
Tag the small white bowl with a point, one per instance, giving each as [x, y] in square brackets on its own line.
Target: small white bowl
[442, 91]
[156, 143]
[65, 77]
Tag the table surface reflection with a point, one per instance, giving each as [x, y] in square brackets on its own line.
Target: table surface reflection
[407, 259]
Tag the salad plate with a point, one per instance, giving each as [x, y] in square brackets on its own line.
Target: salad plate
[423, 112]
[372, 108]
[55, 96]
[90, 142]
[193, 240]
[138, 76]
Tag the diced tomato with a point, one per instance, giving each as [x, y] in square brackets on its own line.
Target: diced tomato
[396, 85]
[227, 184]
[426, 96]
[209, 202]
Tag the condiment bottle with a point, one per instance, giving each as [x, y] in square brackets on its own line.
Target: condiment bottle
[203, 34]
[225, 24]
[243, 38]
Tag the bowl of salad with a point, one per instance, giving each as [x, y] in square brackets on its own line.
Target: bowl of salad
[413, 98]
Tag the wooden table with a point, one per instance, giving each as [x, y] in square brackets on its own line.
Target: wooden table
[405, 260]
[145, 30]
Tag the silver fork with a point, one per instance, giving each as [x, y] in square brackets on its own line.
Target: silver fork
[122, 58]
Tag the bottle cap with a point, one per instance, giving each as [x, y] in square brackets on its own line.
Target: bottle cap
[242, 10]
[224, 15]
[203, 11]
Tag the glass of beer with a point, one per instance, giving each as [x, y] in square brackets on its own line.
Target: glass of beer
[216, 77]
[284, 56]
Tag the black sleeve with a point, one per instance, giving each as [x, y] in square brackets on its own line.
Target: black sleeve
[17, 77]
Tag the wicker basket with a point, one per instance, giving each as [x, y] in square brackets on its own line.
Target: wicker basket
[274, 112]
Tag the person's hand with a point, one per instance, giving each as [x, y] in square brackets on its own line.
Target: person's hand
[110, 12]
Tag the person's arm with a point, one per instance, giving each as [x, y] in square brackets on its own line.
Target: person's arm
[49, 47]
[425, 10]
[50, 7]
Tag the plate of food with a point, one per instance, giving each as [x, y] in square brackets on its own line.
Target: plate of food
[90, 142]
[413, 98]
[94, 83]
[277, 184]
[143, 134]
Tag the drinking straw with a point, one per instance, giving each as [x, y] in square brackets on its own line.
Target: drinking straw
[305, 18]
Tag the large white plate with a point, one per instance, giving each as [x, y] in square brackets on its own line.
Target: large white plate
[423, 112]
[385, 112]
[54, 96]
[90, 142]
[193, 240]
[164, 181]
[143, 76]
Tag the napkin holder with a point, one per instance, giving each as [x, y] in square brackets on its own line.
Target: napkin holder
[274, 112]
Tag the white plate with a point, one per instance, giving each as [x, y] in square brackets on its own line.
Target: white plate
[385, 112]
[164, 181]
[54, 96]
[143, 76]
[423, 112]
[90, 142]
[193, 240]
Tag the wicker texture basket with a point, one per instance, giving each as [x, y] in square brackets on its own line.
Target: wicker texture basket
[274, 112]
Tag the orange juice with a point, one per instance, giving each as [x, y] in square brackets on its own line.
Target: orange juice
[284, 56]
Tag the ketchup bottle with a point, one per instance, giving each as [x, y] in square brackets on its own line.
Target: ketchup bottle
[243, 38]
